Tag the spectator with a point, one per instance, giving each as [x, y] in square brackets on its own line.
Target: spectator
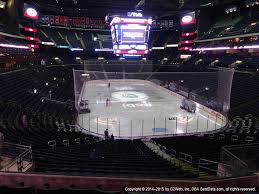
[112, 137]
[92, 155]
[1, 144]
[24, 121]
[106, 134]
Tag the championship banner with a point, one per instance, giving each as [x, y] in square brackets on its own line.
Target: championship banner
[83, 22]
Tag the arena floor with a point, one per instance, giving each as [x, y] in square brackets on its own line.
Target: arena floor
[139, 108]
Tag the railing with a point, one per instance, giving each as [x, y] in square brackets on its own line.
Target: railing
[160, 150]
[217, 168]
[22, 156]
[185, 157]
[239, 167]
[244, 158]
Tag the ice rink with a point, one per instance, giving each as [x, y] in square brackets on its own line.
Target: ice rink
[140, 108]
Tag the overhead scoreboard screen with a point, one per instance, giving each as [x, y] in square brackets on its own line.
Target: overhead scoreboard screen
[130, 34]
[133, 34]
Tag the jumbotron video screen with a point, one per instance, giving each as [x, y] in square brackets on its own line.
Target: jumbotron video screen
[130, 34]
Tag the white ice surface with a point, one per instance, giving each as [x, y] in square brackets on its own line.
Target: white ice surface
[136, 108]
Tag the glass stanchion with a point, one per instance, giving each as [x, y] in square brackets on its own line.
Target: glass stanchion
[89, 122]
[165, 127]
[97, 121]
[142, 128]
[208, 122]
[186, 130]
[119, 127]
[176, 125]
[154, 129]
[131, 129]
[197, 129]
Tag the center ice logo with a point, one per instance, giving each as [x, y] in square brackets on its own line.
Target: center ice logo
[129, 96]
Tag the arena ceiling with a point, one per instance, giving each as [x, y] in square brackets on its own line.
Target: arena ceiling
[103, 7]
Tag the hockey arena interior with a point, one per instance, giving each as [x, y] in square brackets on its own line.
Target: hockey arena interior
[129, 96]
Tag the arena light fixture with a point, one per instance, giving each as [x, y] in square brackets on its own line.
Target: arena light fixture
[30, 29]
[171, 45]
[103, 50]
[31, 38]
[251, 47]
[158, 48]
[2, 4]
[211, 49]
[187, 41]
[33, 46]
[185, 48]
[14, 46]
[230, 9]
[187, 34]
[48, 43]
[31, 13]
[188, 19]
[76, 49]
[61, 46]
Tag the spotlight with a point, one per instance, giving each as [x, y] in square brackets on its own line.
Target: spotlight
[2, 4]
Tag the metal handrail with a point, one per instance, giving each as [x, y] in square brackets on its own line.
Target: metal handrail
[213, 162]
[234, 156]
[17, 145]
[18, 158]
[21, 156]
[185, 157]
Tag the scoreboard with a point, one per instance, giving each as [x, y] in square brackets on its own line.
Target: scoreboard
[130, 34]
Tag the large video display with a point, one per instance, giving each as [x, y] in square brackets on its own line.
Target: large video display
[133, 34]
[130, 35]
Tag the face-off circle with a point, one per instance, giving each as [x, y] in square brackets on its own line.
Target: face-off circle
[129, 96]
